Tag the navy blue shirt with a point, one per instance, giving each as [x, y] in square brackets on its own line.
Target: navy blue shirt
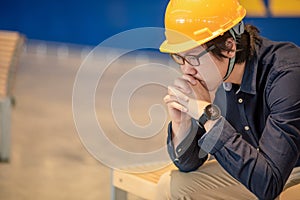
[258, 142]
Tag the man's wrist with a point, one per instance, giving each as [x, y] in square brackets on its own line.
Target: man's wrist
[180, 130]
[210, 113]
[201, 107]
[209, 124]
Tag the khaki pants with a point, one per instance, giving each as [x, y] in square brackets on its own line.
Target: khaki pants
[209, 182]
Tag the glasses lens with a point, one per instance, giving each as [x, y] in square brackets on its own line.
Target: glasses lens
[177, 58]
[192, 60]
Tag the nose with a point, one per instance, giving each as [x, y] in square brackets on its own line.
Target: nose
[188, 69]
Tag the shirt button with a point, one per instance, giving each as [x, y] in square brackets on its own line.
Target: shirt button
[179, 150]
[240, 100]
[246, 128]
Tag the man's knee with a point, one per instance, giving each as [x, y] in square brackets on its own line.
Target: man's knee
[290, 193]
[163, 186]
[207, 182]
[173, 185]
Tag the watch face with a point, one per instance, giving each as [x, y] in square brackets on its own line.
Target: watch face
[213, 112]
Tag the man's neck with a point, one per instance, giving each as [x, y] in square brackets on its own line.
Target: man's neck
[237, 74]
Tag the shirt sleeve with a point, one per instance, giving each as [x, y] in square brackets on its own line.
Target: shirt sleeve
[187, 156]
[263, 170]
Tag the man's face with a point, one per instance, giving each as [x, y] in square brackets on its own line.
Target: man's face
[208, 72]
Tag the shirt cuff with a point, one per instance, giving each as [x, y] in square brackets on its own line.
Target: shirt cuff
[184, 144]
[216, 137]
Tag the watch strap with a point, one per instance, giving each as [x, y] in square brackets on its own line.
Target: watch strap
[211, 112]
[202, 119]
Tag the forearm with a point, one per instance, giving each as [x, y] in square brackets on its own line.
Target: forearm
[180, 132]
[186, 154]
[262, 172]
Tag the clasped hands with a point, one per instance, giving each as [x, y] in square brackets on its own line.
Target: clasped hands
[186, 99]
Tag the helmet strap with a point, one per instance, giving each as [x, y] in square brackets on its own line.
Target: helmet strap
[231, 60]
[229, 68]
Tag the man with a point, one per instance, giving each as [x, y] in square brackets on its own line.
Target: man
[256, 145]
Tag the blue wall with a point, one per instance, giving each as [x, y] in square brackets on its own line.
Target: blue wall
[92, 21]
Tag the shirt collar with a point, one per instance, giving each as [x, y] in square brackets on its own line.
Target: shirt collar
[248, 84]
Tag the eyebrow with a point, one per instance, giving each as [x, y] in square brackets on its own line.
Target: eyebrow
[193, 51]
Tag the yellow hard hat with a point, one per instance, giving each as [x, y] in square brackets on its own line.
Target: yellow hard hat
[190, 23]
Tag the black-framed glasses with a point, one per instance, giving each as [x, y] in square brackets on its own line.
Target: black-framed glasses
[191, 59]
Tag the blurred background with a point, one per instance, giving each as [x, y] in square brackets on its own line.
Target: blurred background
[47, 159]
[90, 22]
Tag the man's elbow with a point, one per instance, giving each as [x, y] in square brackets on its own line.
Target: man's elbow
[187, 167]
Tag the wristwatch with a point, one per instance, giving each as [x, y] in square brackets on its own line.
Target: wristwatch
[211, 112]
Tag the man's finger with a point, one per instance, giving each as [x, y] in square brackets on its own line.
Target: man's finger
[178, 106]
[173, 91]
[192, 80]
[171, 98]
[182, 85]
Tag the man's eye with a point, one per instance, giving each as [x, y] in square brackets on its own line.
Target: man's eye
[192, 60]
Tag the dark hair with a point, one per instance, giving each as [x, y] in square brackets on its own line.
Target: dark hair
[245, 44]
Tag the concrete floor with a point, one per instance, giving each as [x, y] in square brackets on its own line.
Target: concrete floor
[48, 160]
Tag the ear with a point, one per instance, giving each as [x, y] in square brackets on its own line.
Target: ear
[231, 44]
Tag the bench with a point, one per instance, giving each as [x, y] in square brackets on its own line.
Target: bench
[142, 185]
[11, 44]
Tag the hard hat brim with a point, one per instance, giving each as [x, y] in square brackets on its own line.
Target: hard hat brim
[165, 47]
